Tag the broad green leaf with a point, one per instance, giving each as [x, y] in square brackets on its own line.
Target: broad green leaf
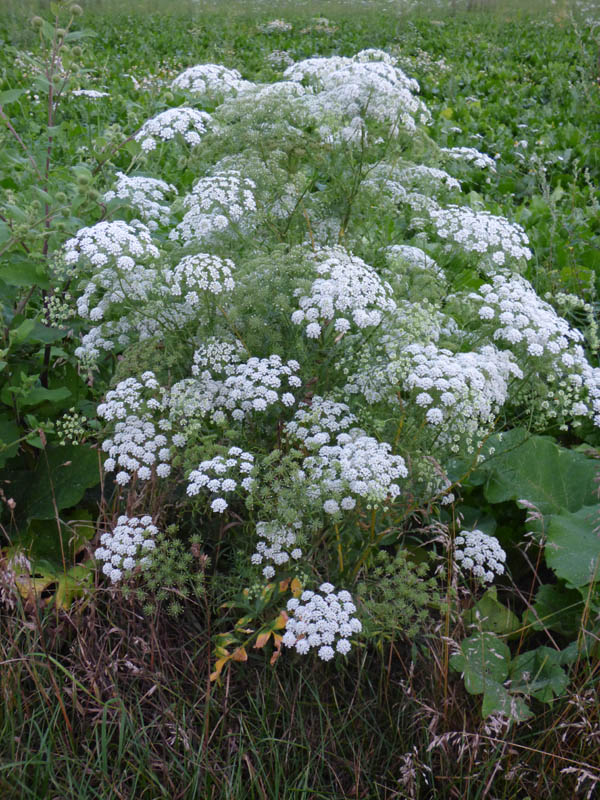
[21, 333]
[45, 335]
[536, 469]
[573, 546]
[498, 700]
[19, 269]
[42, 542]
[483, 660]
[538, 673]
[5, 232]
[489, 614]
[10, 96]
[39, 394]
[556, 609]
[9, 434]
[64, 476]
[75, 36]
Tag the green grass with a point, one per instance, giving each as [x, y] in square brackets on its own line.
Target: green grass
[111, 707]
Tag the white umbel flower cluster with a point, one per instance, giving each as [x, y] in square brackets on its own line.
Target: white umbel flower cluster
[480, 554]
[357, 466]
[470, 155]
[314, 424]
[216, 355]
[351, 88]
[198, 275]
[128, 545]
[146, 196]
[460, 393]
[211, 81]
[117, 263]
[91, 94]
[517, 319]
[189, 123]
[216, 476]
[415, 258]
[111, 242]
[278, 545]
[323, 622]
[347, 292]
[430, 179]
[118, 260]
[216, 203]
[276, 26]
[482, 232]
[140, 443]
[254, 385]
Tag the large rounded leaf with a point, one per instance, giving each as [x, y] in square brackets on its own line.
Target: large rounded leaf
[536, 469]
[573, 546]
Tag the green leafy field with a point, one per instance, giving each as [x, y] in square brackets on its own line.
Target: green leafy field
[177, 669]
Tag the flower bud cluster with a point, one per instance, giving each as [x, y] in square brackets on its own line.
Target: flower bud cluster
[347, 288]
[189, 123]
[71, 427]
[278, 545]
[212, 81]
[215, 203]
[215, 476]
[128, 545]
[480, 554]
[322, 622]
[144, 195]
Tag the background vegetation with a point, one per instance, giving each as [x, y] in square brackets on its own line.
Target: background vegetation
[100, 699]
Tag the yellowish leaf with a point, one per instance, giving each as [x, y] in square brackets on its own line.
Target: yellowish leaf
[277, 652]
[240, 654]
[219, 664]
[281, 621]
[262, 639]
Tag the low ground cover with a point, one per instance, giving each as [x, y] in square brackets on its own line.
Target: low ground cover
[300, 402]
